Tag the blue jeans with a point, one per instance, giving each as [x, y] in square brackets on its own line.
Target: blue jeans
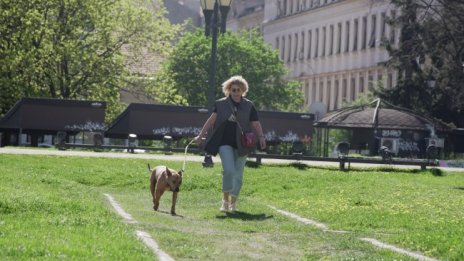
[232, 170]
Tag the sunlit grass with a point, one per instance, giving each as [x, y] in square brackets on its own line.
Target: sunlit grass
[53, 207]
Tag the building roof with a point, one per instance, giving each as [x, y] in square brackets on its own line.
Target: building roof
[48, 116]
[150, 121]
[153, 121]
[380, 116]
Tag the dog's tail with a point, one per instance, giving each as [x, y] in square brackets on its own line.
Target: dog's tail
[149, 168]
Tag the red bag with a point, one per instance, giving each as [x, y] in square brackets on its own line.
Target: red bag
[248, 139]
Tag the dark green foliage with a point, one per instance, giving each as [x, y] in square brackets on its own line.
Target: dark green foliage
[74, 49]
[183, 79]
[430, 50]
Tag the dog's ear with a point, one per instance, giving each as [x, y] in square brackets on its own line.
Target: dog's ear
[180, 172]
[168, 172]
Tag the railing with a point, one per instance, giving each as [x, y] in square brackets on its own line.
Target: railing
[342, 160]
[423, 163]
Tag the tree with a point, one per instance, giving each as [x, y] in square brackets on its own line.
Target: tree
[431, 50]
[73, 48]
[183, 78]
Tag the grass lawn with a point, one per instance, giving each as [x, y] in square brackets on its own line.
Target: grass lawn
[53, 207]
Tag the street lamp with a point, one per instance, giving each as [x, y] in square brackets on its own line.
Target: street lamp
[211, 10]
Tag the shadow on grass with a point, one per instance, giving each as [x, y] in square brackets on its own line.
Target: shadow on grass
[244, 216]
[461, 188]
[252, 164]
[169, 213]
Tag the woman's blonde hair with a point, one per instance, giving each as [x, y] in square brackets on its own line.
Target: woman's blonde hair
[235, 80]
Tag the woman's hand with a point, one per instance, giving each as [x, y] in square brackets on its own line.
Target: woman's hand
[259, 130]
[198, 140]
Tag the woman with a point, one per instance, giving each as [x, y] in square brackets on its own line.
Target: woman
[223, 136]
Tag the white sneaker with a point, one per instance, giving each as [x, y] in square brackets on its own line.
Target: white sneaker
[233, 207]
[225, 206]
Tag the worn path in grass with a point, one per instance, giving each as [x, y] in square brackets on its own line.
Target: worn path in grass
[127, 155]
[373, 241]
[195, 158]
[142, 235]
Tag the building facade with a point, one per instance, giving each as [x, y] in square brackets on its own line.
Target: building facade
[246, 14]
[333, 47]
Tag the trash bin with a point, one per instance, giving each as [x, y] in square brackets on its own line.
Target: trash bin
[208, 161]
[167, 142]
[98, 140]
[61, 140]
[132, 142]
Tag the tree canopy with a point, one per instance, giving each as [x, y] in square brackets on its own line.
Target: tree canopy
[184, 76]
[73, 48]
[429, 59]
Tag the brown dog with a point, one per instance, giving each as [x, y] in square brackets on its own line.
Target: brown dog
[163, 179]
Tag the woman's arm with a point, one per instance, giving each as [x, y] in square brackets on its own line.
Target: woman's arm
[259, 130]
[207, 126]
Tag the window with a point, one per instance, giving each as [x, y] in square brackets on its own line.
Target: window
[303, 5]
[331, 36]
[371, 81]
[309, 44]
[390, 81]
[306, 92]
[383, 27]
[323, 41]
[313, 97]
[289, 51]
[302, 46]
[361, 84]
[392, 28]
[339, 38]
[347, 36]
[316, 51]
[336, 95]
[344, 90]
[372, 40]
[355, 40]
[353, 89]
[329, 86]
[364, 33]
[295, 47]
[282, 52]
[380, 79]
[321, 91]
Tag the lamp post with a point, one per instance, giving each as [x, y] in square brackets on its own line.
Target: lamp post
[211, 10]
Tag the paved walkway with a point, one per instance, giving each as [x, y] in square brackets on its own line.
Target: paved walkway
[177, 157]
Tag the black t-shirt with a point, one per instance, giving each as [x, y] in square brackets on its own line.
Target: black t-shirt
[228, 137]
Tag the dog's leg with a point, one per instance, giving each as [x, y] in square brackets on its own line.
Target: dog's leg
[153, 185]
[156, 200]
[173, 207]
[152, 190]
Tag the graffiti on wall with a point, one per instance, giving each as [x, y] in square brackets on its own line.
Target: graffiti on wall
[391, 133]
[178, 131]
[408, 146]
[269, 135]
[88, 126]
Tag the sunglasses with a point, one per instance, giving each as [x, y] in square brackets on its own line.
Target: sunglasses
[236, 90]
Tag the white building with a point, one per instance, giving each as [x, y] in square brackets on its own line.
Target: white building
[334, 47]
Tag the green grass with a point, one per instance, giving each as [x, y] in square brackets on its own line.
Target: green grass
[53, 208]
